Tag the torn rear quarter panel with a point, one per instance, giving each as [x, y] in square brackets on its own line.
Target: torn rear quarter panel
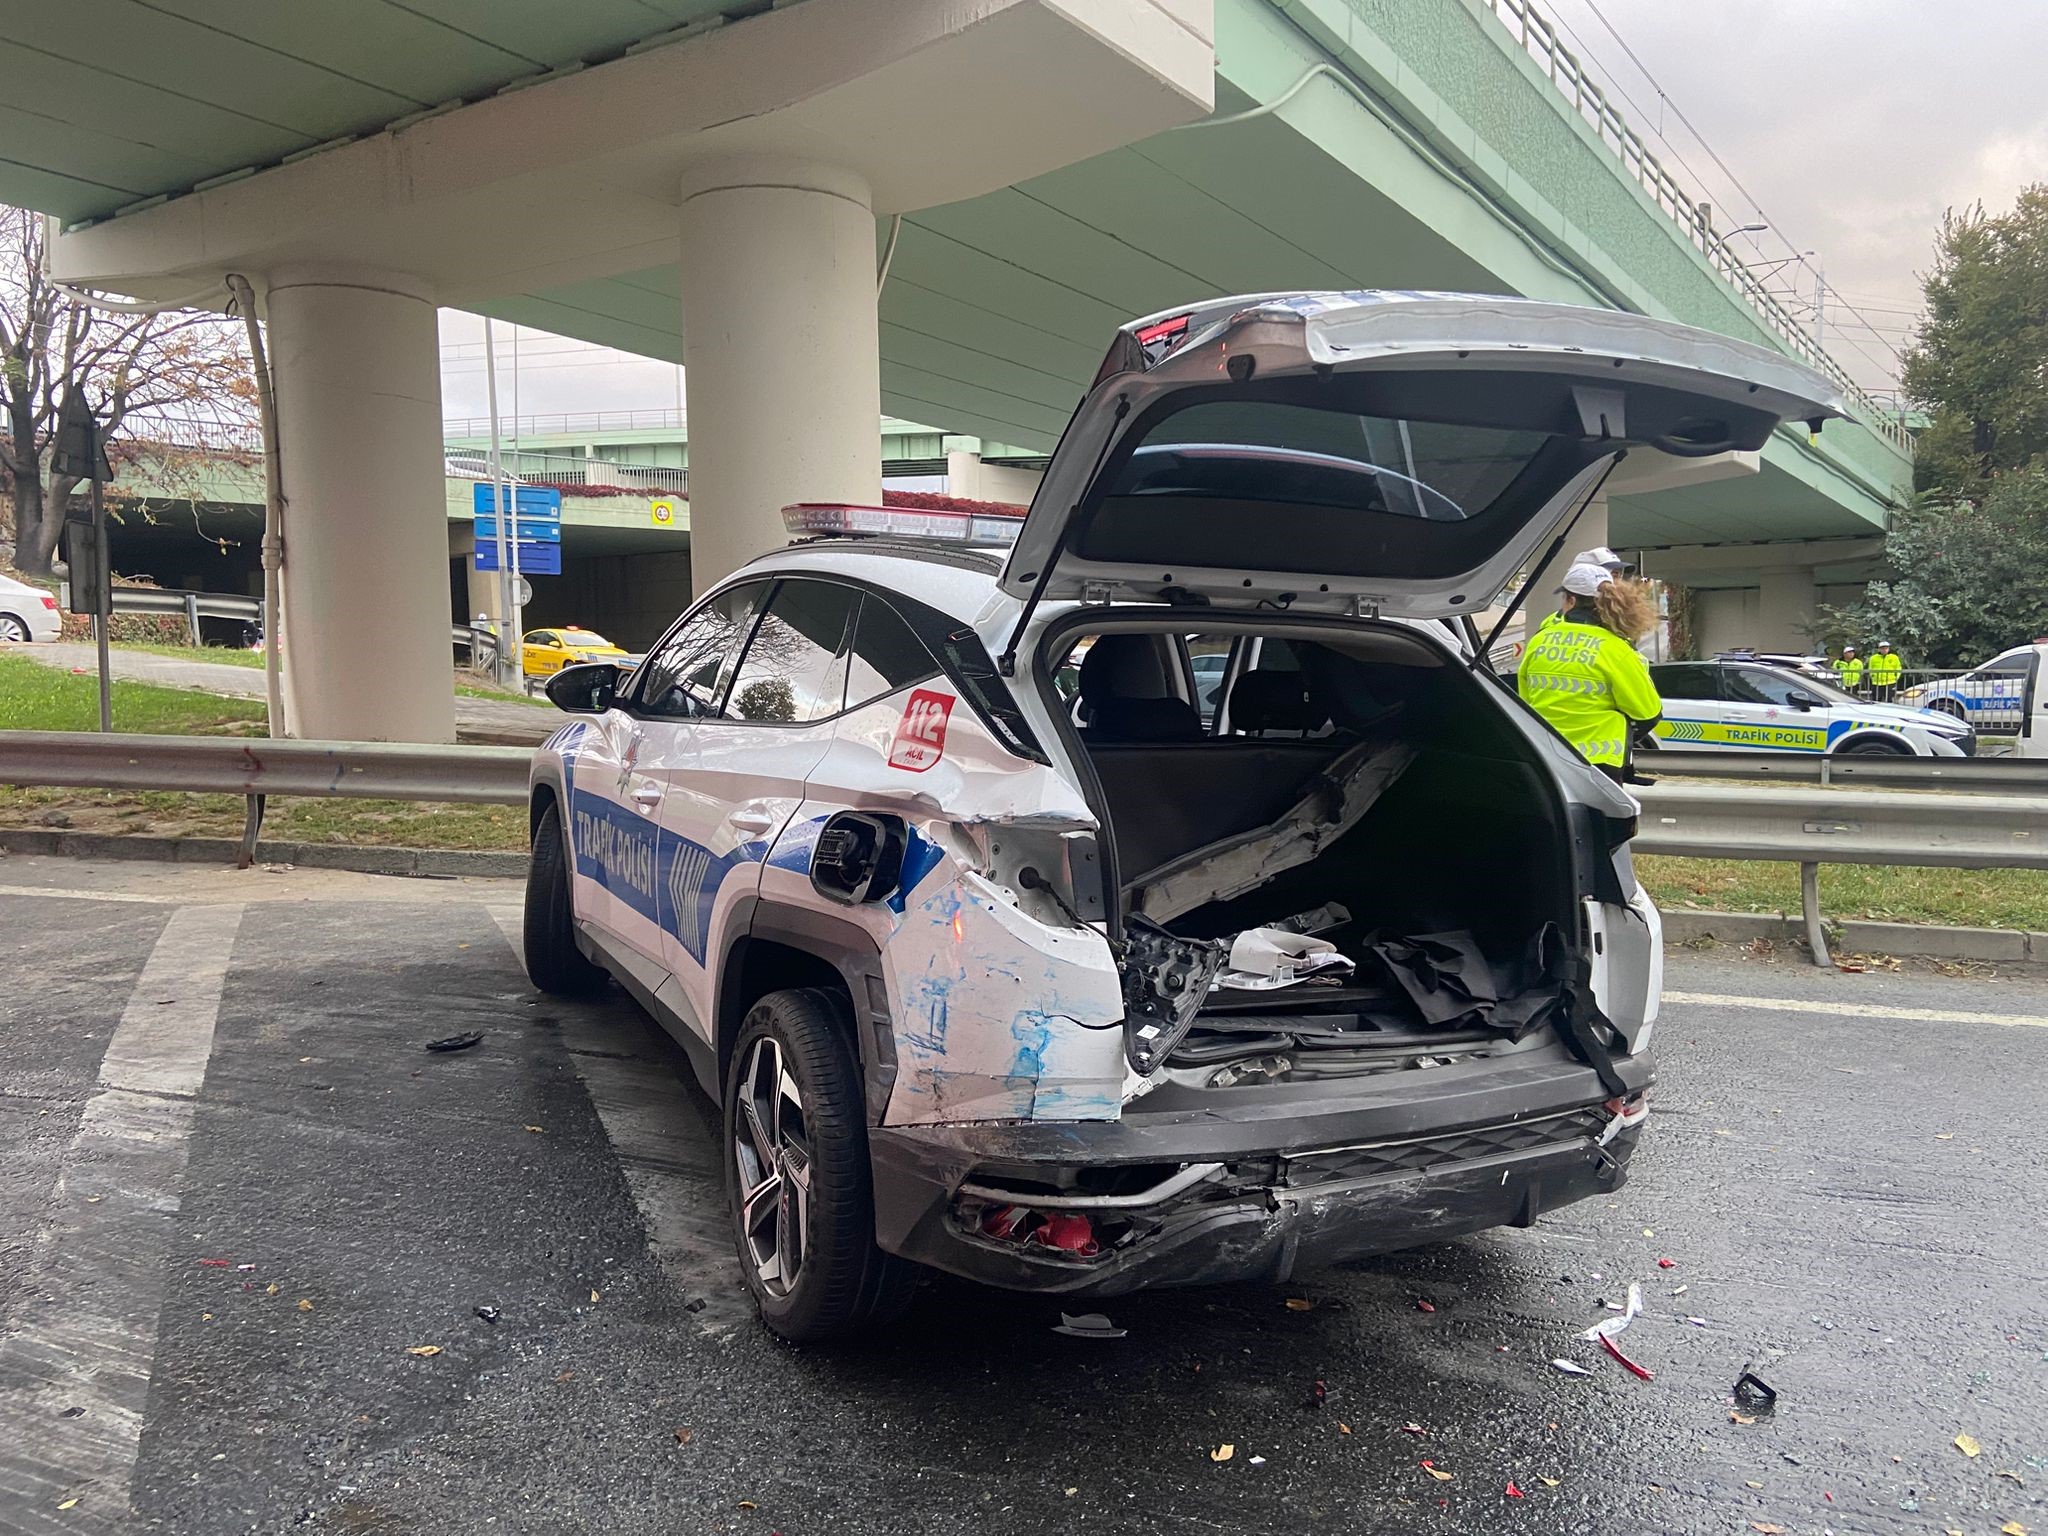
[997, 1015]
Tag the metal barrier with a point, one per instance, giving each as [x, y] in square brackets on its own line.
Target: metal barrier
[1812, 827]
[1980, 774]
[1807, 827]
[258, 767]
[194, 606]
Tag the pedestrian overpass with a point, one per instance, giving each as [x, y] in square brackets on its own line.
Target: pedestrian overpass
[720, 185]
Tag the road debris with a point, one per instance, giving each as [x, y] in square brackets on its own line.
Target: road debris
[1256, 1461]
[1424, 1306]
[1413, 1429]
[1318, 1394]
[1548, 1482]
[1753, 1391]
[1667, 1263]
[535, 1130]
[1437, 1472]
[1513, 1492]
[1299, 1304]
[1607, 1343]
[1223, 1452]
[461, 1042]
[685, 1436]
[488, 1314]
[424, 1351]
[305, 1303]
[1764, 1527]
[1608, 1327]
[1570, 1367]
[1088, 1325]
[1969, 1446]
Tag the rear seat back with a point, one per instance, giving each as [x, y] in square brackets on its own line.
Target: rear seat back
[1168, 799]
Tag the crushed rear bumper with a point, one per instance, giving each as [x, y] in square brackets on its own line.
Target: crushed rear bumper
[1305, 1177]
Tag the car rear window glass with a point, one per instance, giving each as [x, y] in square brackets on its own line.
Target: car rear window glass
[685, 675]
[794, 669]
[1278, 451]
[886, 655]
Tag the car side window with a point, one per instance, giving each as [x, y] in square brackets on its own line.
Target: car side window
[1760, 685]
[684, 676]
[1686, 682]
[794, 669]
[2011, 666]
[886, 655]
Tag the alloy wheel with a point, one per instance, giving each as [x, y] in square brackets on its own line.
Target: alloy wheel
[772, 1152]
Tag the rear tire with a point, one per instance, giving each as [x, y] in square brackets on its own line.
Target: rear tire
[797, 1176]
[13, 630]
[1950, 708]
[553, 961]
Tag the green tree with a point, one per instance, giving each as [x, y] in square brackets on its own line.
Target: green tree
[1963, 578]
[1980, 363]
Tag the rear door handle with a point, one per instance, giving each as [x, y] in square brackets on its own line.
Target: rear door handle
[648, 795]
[751, 821]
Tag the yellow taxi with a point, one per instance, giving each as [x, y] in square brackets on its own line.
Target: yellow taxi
[544, 652]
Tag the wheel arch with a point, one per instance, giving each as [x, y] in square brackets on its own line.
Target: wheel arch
[1865, 735]
[775, 946]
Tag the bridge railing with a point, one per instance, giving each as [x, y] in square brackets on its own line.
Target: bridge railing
[1539, 38]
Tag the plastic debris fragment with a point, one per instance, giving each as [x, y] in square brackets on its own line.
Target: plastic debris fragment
[1969, 1446]
[1424, 1306]
[1607, 1328]
[1667, 1263]
[461, 1042]
[1512, 1491]
[424, 1351]
[1570, 1367]
[1437, 1472]
[1607, 1343]
[1223, 1452]
[1754, 1391]
[1088, 1325]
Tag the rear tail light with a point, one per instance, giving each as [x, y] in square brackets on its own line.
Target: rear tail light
[1625, 1114]
[49, 602]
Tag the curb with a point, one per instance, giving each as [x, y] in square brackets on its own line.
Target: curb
[1685, 925]
[444, 862]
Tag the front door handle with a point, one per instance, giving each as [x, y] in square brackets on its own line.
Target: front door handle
[751, 821]
[647, 795]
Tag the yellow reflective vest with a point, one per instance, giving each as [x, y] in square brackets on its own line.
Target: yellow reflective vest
[1885, 668]
[1848, 671]
[1590, 684]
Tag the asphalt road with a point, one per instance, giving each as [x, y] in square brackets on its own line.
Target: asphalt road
[203, 1071]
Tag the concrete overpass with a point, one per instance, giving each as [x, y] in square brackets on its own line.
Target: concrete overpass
[718, 186]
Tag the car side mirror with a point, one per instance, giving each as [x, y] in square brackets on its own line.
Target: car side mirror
[1806, 701]
[588, 688]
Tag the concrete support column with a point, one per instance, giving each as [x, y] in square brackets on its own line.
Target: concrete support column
[969, 475]
[782, 361]
[1787, 605]
[366, 653]
[1588, 533]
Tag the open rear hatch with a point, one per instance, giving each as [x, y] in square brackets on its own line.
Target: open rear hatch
[1398, 453]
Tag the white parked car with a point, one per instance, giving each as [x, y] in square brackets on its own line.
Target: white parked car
[1082, 1000]
[1752, 706]
[27, 612]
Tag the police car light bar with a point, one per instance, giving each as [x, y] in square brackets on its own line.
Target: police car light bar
[810, 519]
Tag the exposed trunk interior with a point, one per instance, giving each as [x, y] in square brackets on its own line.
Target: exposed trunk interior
[1455, 833]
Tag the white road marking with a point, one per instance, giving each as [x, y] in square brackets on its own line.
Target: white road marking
[662, 1133]
[75, 1361]
[71, 893]
[1857, 1010]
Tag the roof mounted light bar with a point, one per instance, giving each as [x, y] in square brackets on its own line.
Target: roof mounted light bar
[838, 519]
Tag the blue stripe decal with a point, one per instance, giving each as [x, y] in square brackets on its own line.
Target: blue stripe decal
[669, 880]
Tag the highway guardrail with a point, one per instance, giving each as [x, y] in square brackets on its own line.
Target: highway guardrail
[1978, 774]
[1804, 826]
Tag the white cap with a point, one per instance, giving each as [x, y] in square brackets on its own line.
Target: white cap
[1603, 557]
[1585, 580]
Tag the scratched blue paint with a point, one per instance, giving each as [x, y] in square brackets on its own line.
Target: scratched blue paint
[799, 841]
[920, 857]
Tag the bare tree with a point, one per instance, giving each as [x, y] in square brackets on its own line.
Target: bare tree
[179, 383]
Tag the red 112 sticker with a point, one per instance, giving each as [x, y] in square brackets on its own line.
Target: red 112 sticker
[921, 733]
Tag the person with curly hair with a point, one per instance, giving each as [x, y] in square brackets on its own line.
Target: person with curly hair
[1583, 674]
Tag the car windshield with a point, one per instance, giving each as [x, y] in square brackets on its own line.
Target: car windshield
[583, 637]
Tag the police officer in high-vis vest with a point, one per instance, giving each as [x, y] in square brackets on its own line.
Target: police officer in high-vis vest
[1583, 674]
[1849, 671]
[1886, 667]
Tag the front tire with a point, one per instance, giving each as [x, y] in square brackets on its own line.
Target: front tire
[1950, 708]
[553, 961]
[1875, 748]
[797, 1175]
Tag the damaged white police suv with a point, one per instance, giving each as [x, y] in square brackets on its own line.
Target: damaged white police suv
[1016, 945]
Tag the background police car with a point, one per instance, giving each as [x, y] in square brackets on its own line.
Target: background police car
[1738, 706]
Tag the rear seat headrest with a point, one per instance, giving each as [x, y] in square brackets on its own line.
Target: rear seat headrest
[1274, 701]
[1122, 666]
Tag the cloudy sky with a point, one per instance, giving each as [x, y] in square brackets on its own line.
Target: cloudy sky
[1847, 125]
